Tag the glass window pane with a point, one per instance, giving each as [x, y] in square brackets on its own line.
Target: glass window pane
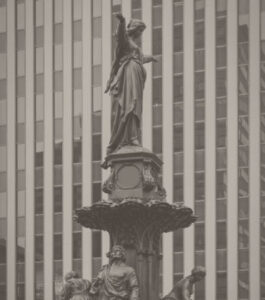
[78, 54]
[58, 133]
[178, 63]
[199, 160]
[200, 236]
[199, 186]
[2, 135]
[96, 171]
[58, 11]
[178, 14]
[243, 234]
[220, 83]
[157, 41]
[97, 51]
[58, 105]
[199, 9]
[38, 248]
[3, 15]
[77, 245]
[200, 210]
[39, 60]
[21, 86]
[157, 16]
[157, 115]
[3, 159]
[178, 188]
[221, 158]
[178, 240]
[157, 90]
[243, 80]
[21, 133]
[58, 196]
[178, 138]
[57, 246]
[199, 60]
[221, 9]
[243, 182]
[58, 175]
[77, 197]
[39, 13]
[242, 53]
[220, 31]
[243, 131]
[20, 41]
[96, 192]
[38, 201]
[58, 153]
[199, 85]
[21, 156]
[221, 235]
[77, 31]
[221, 108]
[77, 7]
[96, 8]
[96, 147]
[58, 81]
[77, 173]
[58, 57]
[39, 84]
[3, 208]
[58, 33]
[199, 110]
[220, 133]
[3, 42]
[178, 38]
[96, 244]
[77, 78]
[97, 27]
[221, 257]
[3, 89]
[3, 112]
[21, 63]
[221, 57]
[199, 135]
[157, 139]
[178, 113]
[199, 35]
[178, 88]
[77, 155]
[58, 223]
[243, 259]
[39, 224]
[157, 67]
[221, 182]
[97, 75]
[39, 37]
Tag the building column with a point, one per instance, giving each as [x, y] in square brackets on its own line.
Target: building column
[210, 151]
[30, 145]
[48, 150]
[167, 134]
[11, 148]
[106, 102]
[147, 95]
[188, 130]
[87, 136]
[254, 149]
[232, 151]
[67, 138]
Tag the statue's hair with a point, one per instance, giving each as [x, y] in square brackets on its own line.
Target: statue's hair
[70, 275]
[135, 27]
[114, 248]
[199, 271]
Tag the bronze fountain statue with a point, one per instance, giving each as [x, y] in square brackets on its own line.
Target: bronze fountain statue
[136, 212]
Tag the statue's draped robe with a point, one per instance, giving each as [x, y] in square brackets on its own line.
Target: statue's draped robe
[76, 289]
[126, 86]
[108, 286]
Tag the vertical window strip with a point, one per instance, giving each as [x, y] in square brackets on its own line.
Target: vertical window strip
[58, 146]
[221, 151]
[96, 124]
[178, 130]
[243, 143]
[262, 148]
[199, 133]
[77, 130]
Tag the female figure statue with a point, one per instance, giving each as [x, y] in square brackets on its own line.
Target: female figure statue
[126, 85]
[115, 281]
[75, 288]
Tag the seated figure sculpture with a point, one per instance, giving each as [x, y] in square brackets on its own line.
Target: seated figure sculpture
[115, 281]
[184, 288]
[75, 288]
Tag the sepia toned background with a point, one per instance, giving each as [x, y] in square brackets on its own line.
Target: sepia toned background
[204, 115]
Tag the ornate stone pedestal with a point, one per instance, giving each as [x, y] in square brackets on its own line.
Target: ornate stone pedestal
[136, 213]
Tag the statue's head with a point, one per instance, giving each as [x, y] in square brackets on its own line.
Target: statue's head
[198, 273]
[117, 253]
[135, 28]
[71, 275]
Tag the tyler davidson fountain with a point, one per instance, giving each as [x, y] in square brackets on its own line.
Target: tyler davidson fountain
[136, 212]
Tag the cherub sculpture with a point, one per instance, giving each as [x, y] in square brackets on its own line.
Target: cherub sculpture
[184, 288]
[126, 84]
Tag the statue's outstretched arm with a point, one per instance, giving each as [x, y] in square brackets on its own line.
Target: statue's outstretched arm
[148, 59]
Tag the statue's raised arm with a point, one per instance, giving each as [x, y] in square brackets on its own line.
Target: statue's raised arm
[126, 85]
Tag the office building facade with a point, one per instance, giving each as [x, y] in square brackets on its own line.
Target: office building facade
[203, 115]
